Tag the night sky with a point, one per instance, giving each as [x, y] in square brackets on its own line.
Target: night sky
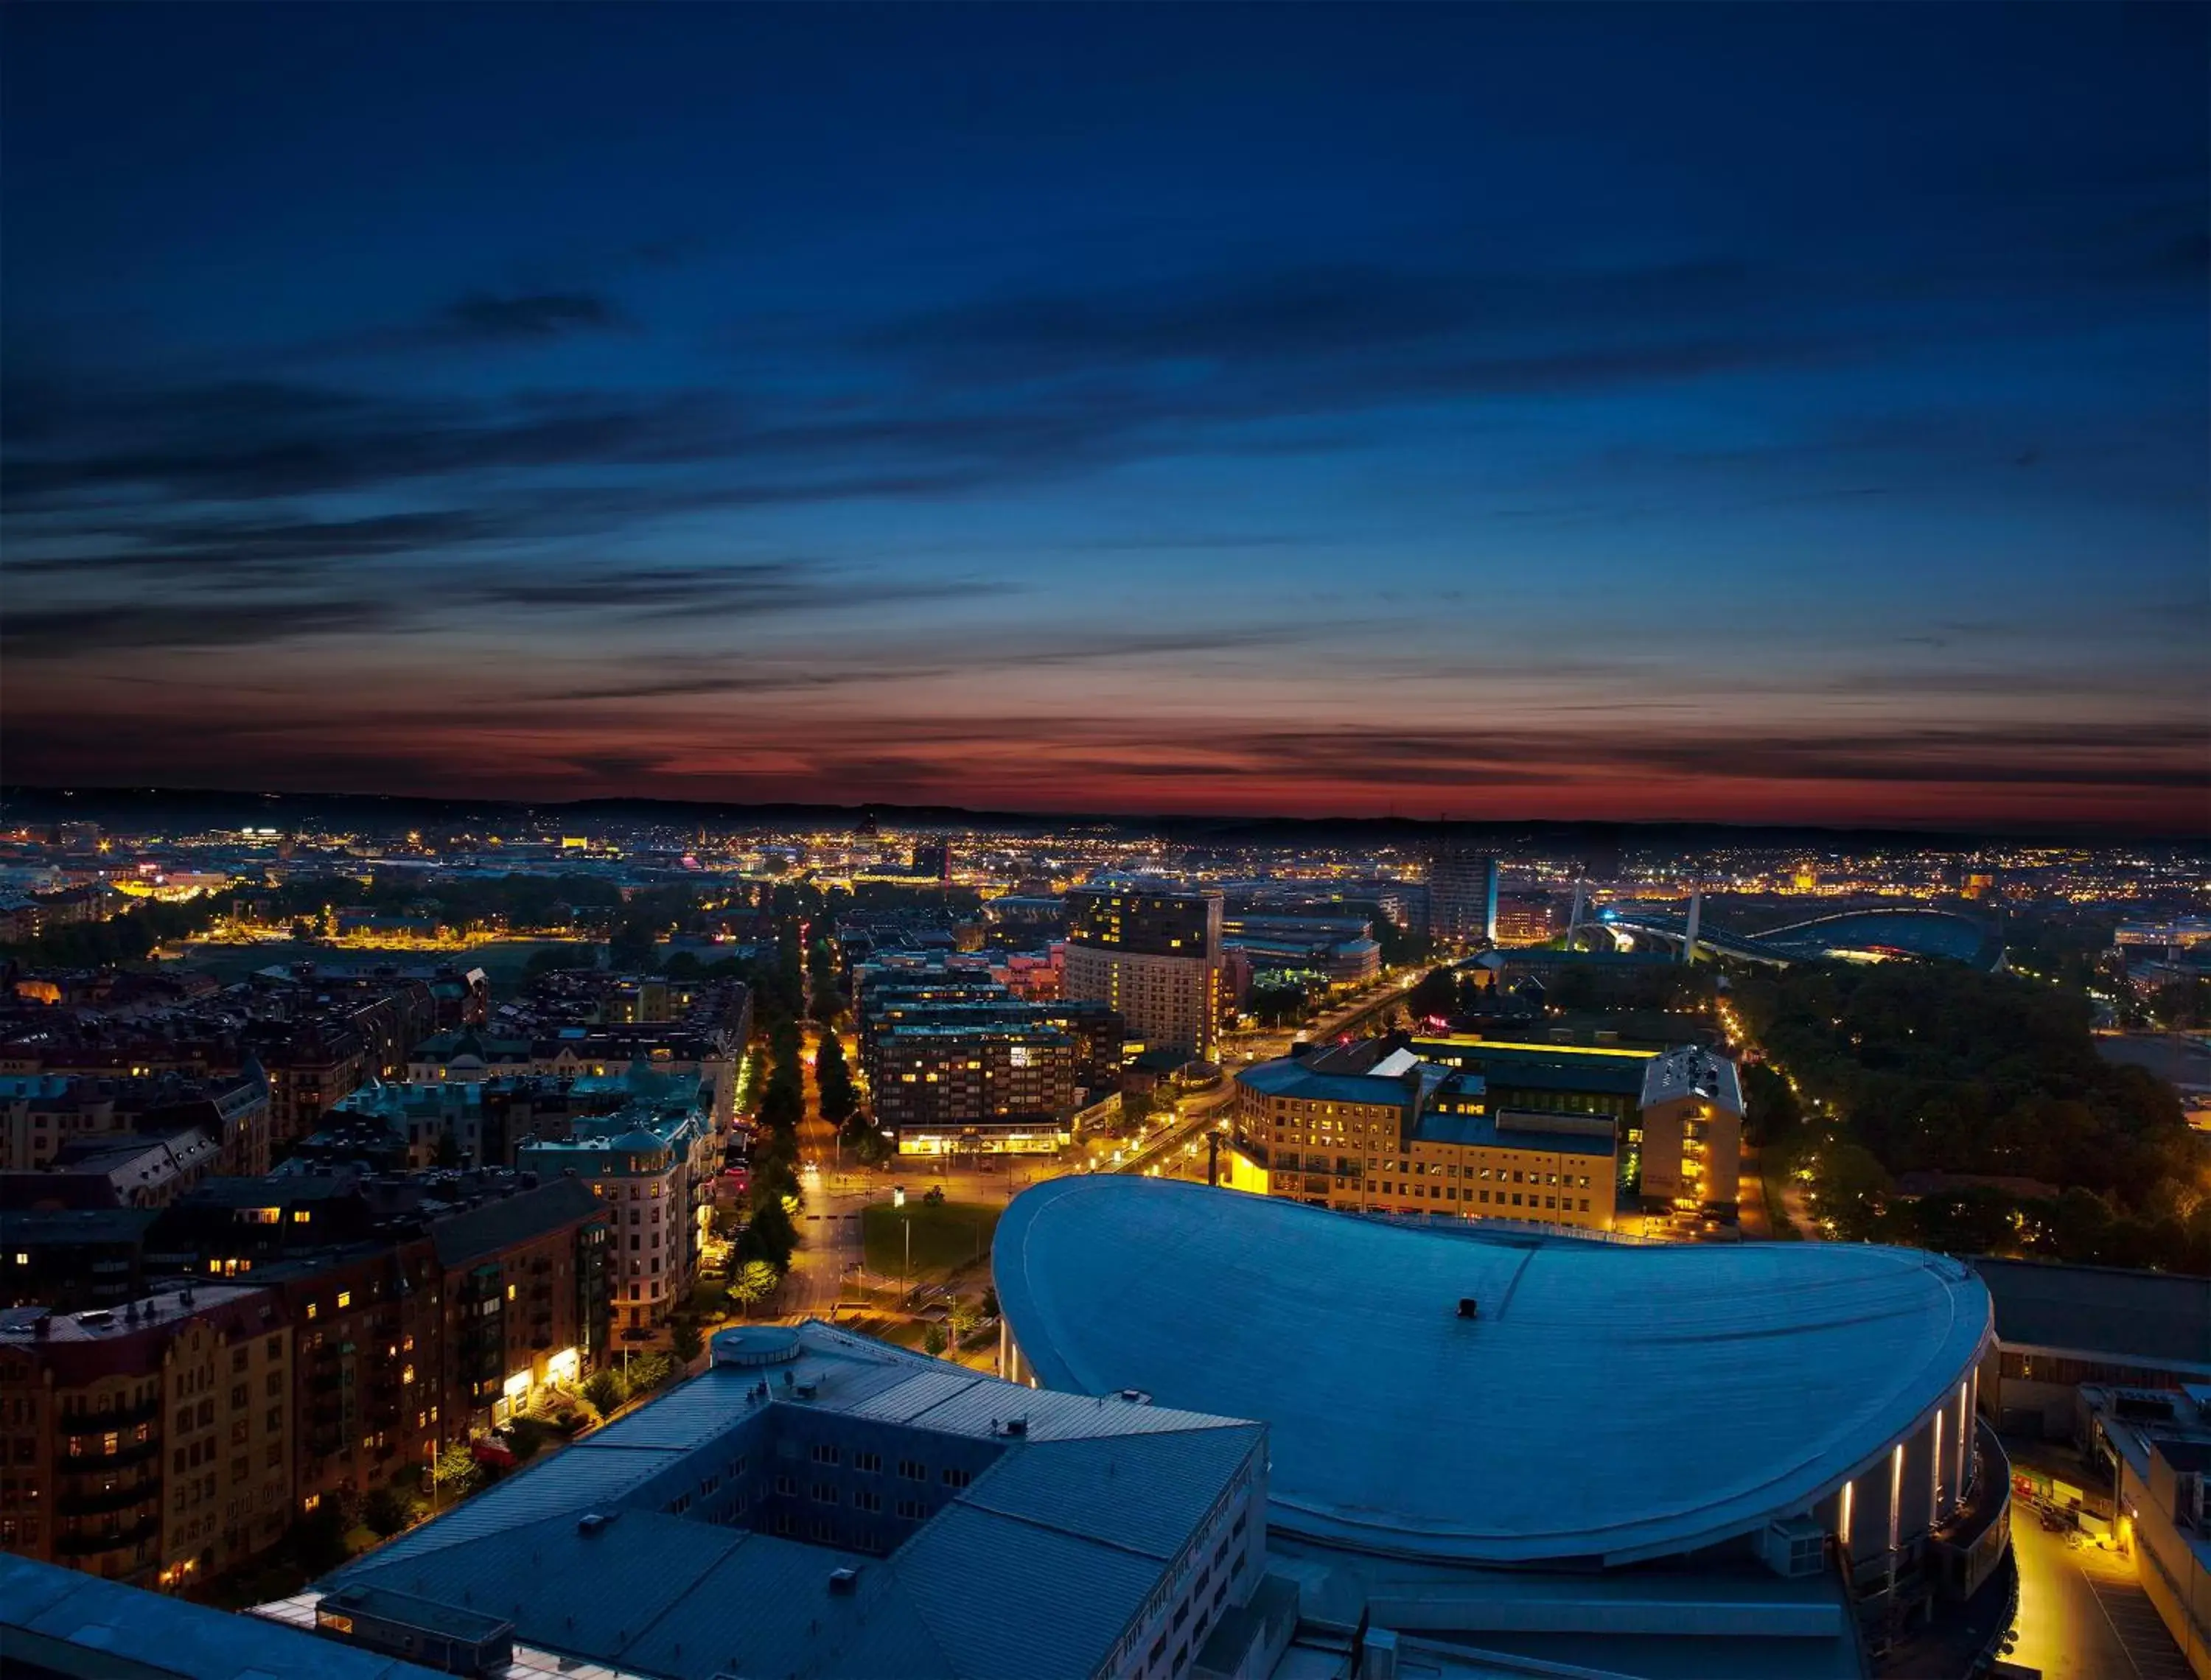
[1792, 412]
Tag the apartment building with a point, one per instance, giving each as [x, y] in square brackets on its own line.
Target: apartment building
[152, 1444]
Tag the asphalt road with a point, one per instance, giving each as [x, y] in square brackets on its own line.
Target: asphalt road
[2083, 1615]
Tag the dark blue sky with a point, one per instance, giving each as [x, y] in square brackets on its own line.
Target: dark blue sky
[1749, 413]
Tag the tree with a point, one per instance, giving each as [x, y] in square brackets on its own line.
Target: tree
[603, 1388]
[934, 1341]
[965, 1317]
[684, 1336]
[303, 930]
[752, 1282]
[1770, 1111]
[770, 1235]
[448, 1149]
[454, 1471]
[783, 1105]
[634, 948]
[386, 1511]
[1435, 996]
[317, 1541]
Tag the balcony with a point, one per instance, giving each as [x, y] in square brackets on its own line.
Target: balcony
[126, 1453]
[126, 1417]
[99, 1501]
[83, 1546]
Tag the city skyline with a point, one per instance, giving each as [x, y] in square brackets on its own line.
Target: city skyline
[1792, 416]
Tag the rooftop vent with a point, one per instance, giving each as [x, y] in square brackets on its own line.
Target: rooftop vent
[844, 1582]
[593, 1522]
[1017, 1426]
[756, 1344]
[1468, 1307]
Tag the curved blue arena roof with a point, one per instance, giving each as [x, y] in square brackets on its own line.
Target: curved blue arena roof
[1608, 1402]
[1923, 933]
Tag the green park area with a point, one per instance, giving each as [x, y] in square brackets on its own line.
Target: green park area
[947, 1236]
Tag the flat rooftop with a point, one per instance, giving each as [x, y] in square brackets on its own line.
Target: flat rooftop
[1607, 1402]
[1289, 1077]
[2144, 1318]
[1510, 1130]
[62, 1623]
[626, 1550]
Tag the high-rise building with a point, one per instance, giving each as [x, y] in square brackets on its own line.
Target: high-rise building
[1461, 895]
[1152, 953]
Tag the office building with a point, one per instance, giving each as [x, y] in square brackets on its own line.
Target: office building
[1466, 1128]
[1627, 1459]
[1462, 896]
[1529, 918]
[1339, 952]
[1408, 1138]
[1152, 954]
[822, 1506]
[986, 1086]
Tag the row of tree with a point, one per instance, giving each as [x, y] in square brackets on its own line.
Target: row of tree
[773, 1198]
[1910, 1067]
[127, 938]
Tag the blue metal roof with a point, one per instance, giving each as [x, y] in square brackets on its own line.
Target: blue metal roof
[1772, 1373]
[1072, 1519]
[1291, 1078]
[61, 1621]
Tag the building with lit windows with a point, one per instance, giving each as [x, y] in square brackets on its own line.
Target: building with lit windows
[820, 1505]
[1628, 1459]
[1677, 1113]
[1152, 954]
[1408, 1138]
[1691, 1108]
[653, 1166]
[992, 1087]
[1463, 895]
[151, 1443]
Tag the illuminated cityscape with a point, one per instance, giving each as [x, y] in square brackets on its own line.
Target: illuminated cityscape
[1290, 843]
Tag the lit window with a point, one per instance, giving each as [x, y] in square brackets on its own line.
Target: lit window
[345, 1299]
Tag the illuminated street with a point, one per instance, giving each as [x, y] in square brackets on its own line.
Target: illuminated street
[2082, 1615]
